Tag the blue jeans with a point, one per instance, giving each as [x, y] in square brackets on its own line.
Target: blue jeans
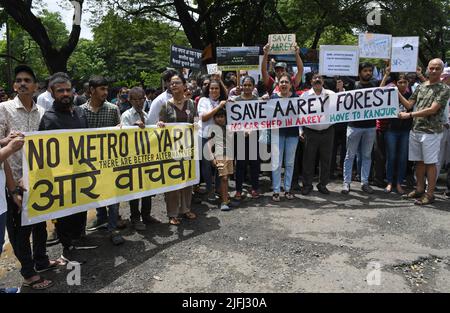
[355, 136]
[287, 147]
[2, 231]
[397, 154]
[112, 216]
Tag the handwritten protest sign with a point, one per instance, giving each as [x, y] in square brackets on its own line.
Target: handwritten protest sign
[71, 171]
[185, 57]
[405, 51]
[282, 43]
[355, 105]
[375, 46]
[212, 68]
[237, 58]
[339, 60]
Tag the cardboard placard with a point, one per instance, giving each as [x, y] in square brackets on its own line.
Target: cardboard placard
[339, 60]
[375, 46]
[282, 43]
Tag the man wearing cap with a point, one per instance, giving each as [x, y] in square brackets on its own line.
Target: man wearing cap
[280, 68]
[428, 101]
[16, 116]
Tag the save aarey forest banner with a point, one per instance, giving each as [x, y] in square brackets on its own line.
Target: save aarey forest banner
[348, 106]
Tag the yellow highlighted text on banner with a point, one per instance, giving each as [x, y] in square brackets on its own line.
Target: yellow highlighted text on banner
[71, 171]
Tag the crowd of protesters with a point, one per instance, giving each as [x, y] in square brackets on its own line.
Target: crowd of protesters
[410, 150]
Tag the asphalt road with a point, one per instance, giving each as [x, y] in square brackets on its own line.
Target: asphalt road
[335, 243]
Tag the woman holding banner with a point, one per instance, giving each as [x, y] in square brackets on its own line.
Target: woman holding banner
[179, 109]
[284, 144]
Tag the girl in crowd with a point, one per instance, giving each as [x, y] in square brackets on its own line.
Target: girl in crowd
[178, 109]
[397, 138]
[248, 86]
[286, 140]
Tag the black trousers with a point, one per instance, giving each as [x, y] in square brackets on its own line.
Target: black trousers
[379, 157]
[146, 208]
[70, 228]
[317, 142]
[19, 236]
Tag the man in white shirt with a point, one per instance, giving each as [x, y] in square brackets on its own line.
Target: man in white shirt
[157, 104]
[318, 139]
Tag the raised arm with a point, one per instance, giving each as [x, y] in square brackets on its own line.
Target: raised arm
[264, 72]
[298, 60]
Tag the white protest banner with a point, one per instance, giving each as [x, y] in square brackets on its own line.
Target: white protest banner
[375, 46]
[212, 68]
[405, 51]
[339, 60]
[348, 106]
[282, 43]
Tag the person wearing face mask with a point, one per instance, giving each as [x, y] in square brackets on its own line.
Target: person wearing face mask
[318, 140]
[65, 115]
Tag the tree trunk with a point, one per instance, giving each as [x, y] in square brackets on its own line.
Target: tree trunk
[190, 26]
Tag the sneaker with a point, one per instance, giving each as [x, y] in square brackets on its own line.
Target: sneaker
[367, 189]
[84, 243]
[224, 207]
[138, 225]
[323, 189]
[447, 193]
[116, 238]
[345, 189]
[9, 290]
[71, 255]
[212, 198]
[97, 224]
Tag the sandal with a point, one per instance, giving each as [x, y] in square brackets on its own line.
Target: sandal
[190, 215]
[425, 200]
[289, 196]
[413, 195]
[52, 264]
[276, 197]
[39, 284]
[238, 196]
[174, 221]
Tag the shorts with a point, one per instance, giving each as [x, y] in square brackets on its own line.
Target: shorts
[224, 167]
[424, 147]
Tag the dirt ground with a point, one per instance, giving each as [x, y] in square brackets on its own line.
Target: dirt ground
[315, 243]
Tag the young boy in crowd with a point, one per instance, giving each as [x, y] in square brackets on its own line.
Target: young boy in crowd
[222, 141]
